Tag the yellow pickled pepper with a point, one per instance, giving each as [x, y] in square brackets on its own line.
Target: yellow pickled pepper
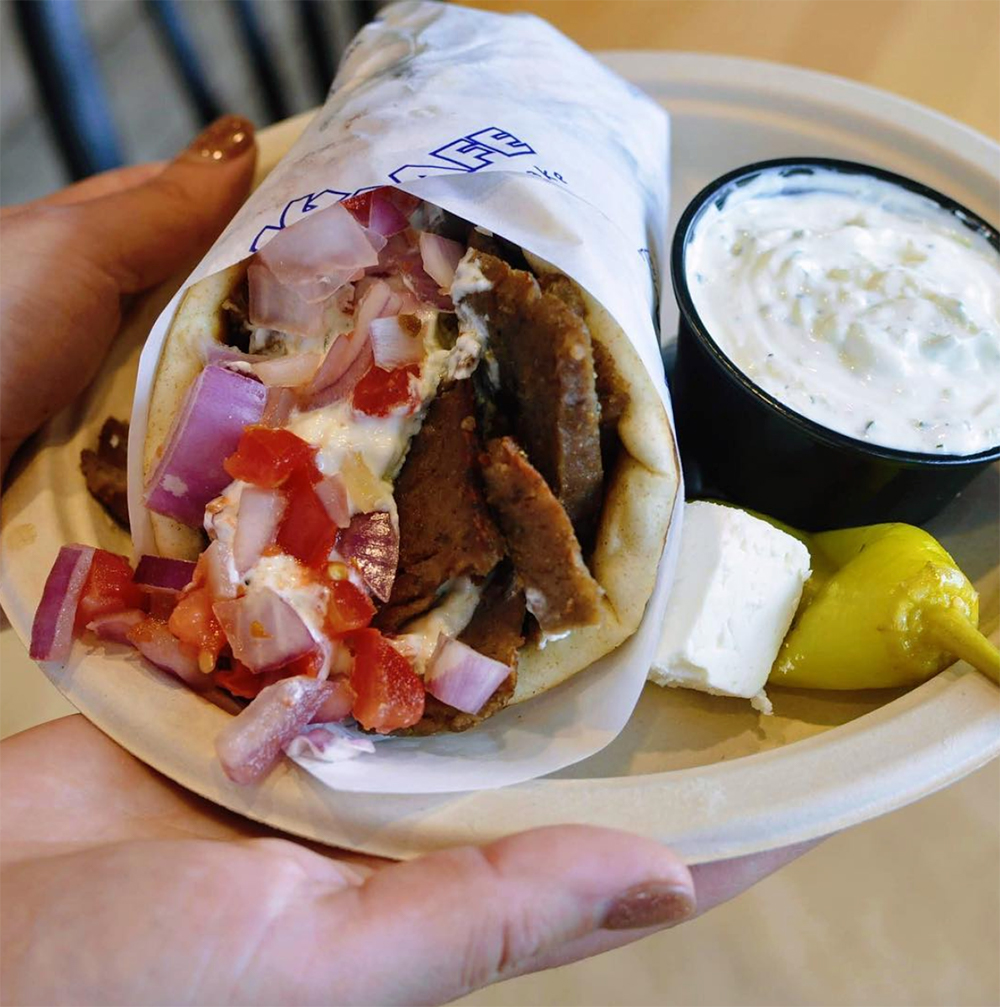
[886, 606]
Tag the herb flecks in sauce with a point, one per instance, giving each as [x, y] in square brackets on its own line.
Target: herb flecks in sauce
[859, 304]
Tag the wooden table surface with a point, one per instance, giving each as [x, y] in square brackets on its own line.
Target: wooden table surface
[942, 53]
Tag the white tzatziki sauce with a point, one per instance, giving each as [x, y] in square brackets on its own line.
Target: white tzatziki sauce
[338, 430]
[859, 304]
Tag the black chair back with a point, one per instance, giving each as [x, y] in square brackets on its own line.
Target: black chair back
[73, 95]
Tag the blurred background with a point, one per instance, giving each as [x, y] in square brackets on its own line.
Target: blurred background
[903, 910]
[88, 84]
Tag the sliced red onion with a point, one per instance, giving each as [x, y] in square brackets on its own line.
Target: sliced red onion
[401, 256]
[392, 345]
[377, 241]
[289, 371]
[264, 631]
[440, 257]
[386, 218]
[116, 625]
[279, 406]
[371, 543]
[276, 306]
[377, 301]
[427, 291]
[249, 745]
[404, 302]
[52, 630]
[256, 525]
[329, 743]
[342, 353]
[462, 677]
[332, 491]
[158, 573]
[220, 570]
[350, 355]
[218, 406]
[318, 254]
[337, 705]
[160, 647]
[344, 385]
[403, 201]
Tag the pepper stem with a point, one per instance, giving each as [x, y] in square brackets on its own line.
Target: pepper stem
[956, 635]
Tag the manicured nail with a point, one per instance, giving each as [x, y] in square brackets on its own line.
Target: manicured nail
[222, 140]
[651, 904]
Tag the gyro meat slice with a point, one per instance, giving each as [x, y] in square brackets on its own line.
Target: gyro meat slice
[612, 395]
[497, 625]
[445, 527]
[614, 399]
[543, 352]
[105, 470]
[566, 290]
[558, 587]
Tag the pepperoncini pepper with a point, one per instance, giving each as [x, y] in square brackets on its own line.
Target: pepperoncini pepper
[885, 606]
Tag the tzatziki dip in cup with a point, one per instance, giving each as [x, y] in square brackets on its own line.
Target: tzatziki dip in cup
[840, 331]
[861, 305]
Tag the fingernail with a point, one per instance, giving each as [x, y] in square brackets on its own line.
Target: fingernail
[222, 140]
[651, 904]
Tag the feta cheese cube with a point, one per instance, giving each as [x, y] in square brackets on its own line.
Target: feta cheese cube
[736, 589]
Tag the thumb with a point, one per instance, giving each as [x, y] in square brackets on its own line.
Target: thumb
[144, 234]
[435, 928]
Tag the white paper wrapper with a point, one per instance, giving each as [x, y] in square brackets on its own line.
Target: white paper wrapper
[503, 121]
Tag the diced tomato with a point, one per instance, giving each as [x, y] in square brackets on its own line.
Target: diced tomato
[194, 622]
[308, 664]
[109, 588]
[379, 392]
[267, 457]
[242, 682]
[339, 703]
[359, 206]
[350, 608]
[307, 531]
[390, 693]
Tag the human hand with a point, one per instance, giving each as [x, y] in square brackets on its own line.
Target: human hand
[119, 887]
[68, 260]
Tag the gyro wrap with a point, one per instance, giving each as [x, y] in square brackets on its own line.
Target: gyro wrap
[503, 123]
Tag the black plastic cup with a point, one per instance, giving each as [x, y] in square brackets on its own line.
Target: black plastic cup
[740, 444]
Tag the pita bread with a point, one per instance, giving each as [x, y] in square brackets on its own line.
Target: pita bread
[198, 324]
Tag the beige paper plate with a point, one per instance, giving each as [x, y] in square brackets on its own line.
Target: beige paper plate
[704, 774]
